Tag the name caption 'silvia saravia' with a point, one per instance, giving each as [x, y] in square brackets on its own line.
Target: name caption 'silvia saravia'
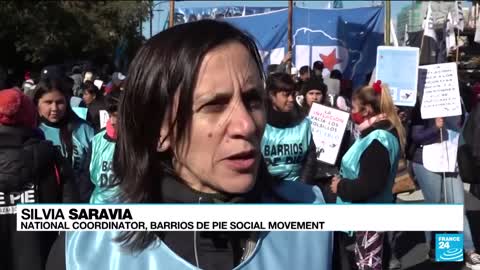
[122, 219]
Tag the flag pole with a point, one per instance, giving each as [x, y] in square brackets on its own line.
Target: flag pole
[456, 42]
[172, 13]
[387, 22]
[421, 43]
[290, 22]
[423, 35]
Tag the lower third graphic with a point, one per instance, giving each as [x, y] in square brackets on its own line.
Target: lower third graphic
[449, 247]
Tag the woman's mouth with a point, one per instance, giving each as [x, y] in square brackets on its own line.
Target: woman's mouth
[242, 161]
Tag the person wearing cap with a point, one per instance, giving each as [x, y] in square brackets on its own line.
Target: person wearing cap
[28, 86]
[77, 79]
[287, 143]
[116, 84]
[103, 146]
[312, 90]
[31, 171]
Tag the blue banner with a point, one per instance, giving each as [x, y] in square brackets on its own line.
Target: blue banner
[343, 39]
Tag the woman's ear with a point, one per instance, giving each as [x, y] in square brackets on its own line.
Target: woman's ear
[164, 141]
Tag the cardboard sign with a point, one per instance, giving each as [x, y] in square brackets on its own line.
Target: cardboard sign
[398, 68]
[103, 118]
[441, 94]
[328, 127]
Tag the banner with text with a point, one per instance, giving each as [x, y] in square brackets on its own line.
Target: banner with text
[328, 127]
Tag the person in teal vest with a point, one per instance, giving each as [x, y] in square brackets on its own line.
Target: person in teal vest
[287, 143]
[65, 130]
[369, 167]
[190, 125]
[103, 145]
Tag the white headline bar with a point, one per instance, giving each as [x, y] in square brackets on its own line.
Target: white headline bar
[240, 217]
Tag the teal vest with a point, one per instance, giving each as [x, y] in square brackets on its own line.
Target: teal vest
[351, 161]
[284, 149]
[280, 250]
[101, 172]
[81, 138]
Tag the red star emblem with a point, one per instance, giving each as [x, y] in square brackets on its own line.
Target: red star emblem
[329, 61]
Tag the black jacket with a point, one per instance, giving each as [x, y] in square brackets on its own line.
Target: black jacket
[31, 171]
[93, 113]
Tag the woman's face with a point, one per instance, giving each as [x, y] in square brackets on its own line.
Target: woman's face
[313, 95]
[52, 106]
[221, 151]
[364, 110]
[88, 98]
[283, 101]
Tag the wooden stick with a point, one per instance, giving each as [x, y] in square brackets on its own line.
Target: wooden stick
[387, 22]
[456, 42]
[443, 174]
[289, 33]
[171, 20]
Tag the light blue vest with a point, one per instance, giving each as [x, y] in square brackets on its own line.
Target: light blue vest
[81, 137]
[351, 161]
[101, 172]
[280, 250]
[285, 149]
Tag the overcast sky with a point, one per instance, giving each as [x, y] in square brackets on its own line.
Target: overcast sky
[162, 7]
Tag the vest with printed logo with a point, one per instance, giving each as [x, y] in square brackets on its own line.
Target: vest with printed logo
[101, 172]
[285, 149]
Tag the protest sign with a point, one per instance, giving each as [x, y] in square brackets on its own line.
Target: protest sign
[442, 157]
[441, 94]
[398, 68]
[328, 127]
[103, 118]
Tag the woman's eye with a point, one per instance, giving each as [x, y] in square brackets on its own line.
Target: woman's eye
[254, 102]
[216, 105]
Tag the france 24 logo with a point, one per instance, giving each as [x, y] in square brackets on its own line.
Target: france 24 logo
[449, 247]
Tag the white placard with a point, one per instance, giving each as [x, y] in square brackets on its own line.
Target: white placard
[402, 81]
[441, 94]
[328, 127]
[103, 118]
[239, 217]
[442, 157]
[98, 84]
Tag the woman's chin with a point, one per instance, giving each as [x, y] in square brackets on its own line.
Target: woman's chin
[238, 185]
